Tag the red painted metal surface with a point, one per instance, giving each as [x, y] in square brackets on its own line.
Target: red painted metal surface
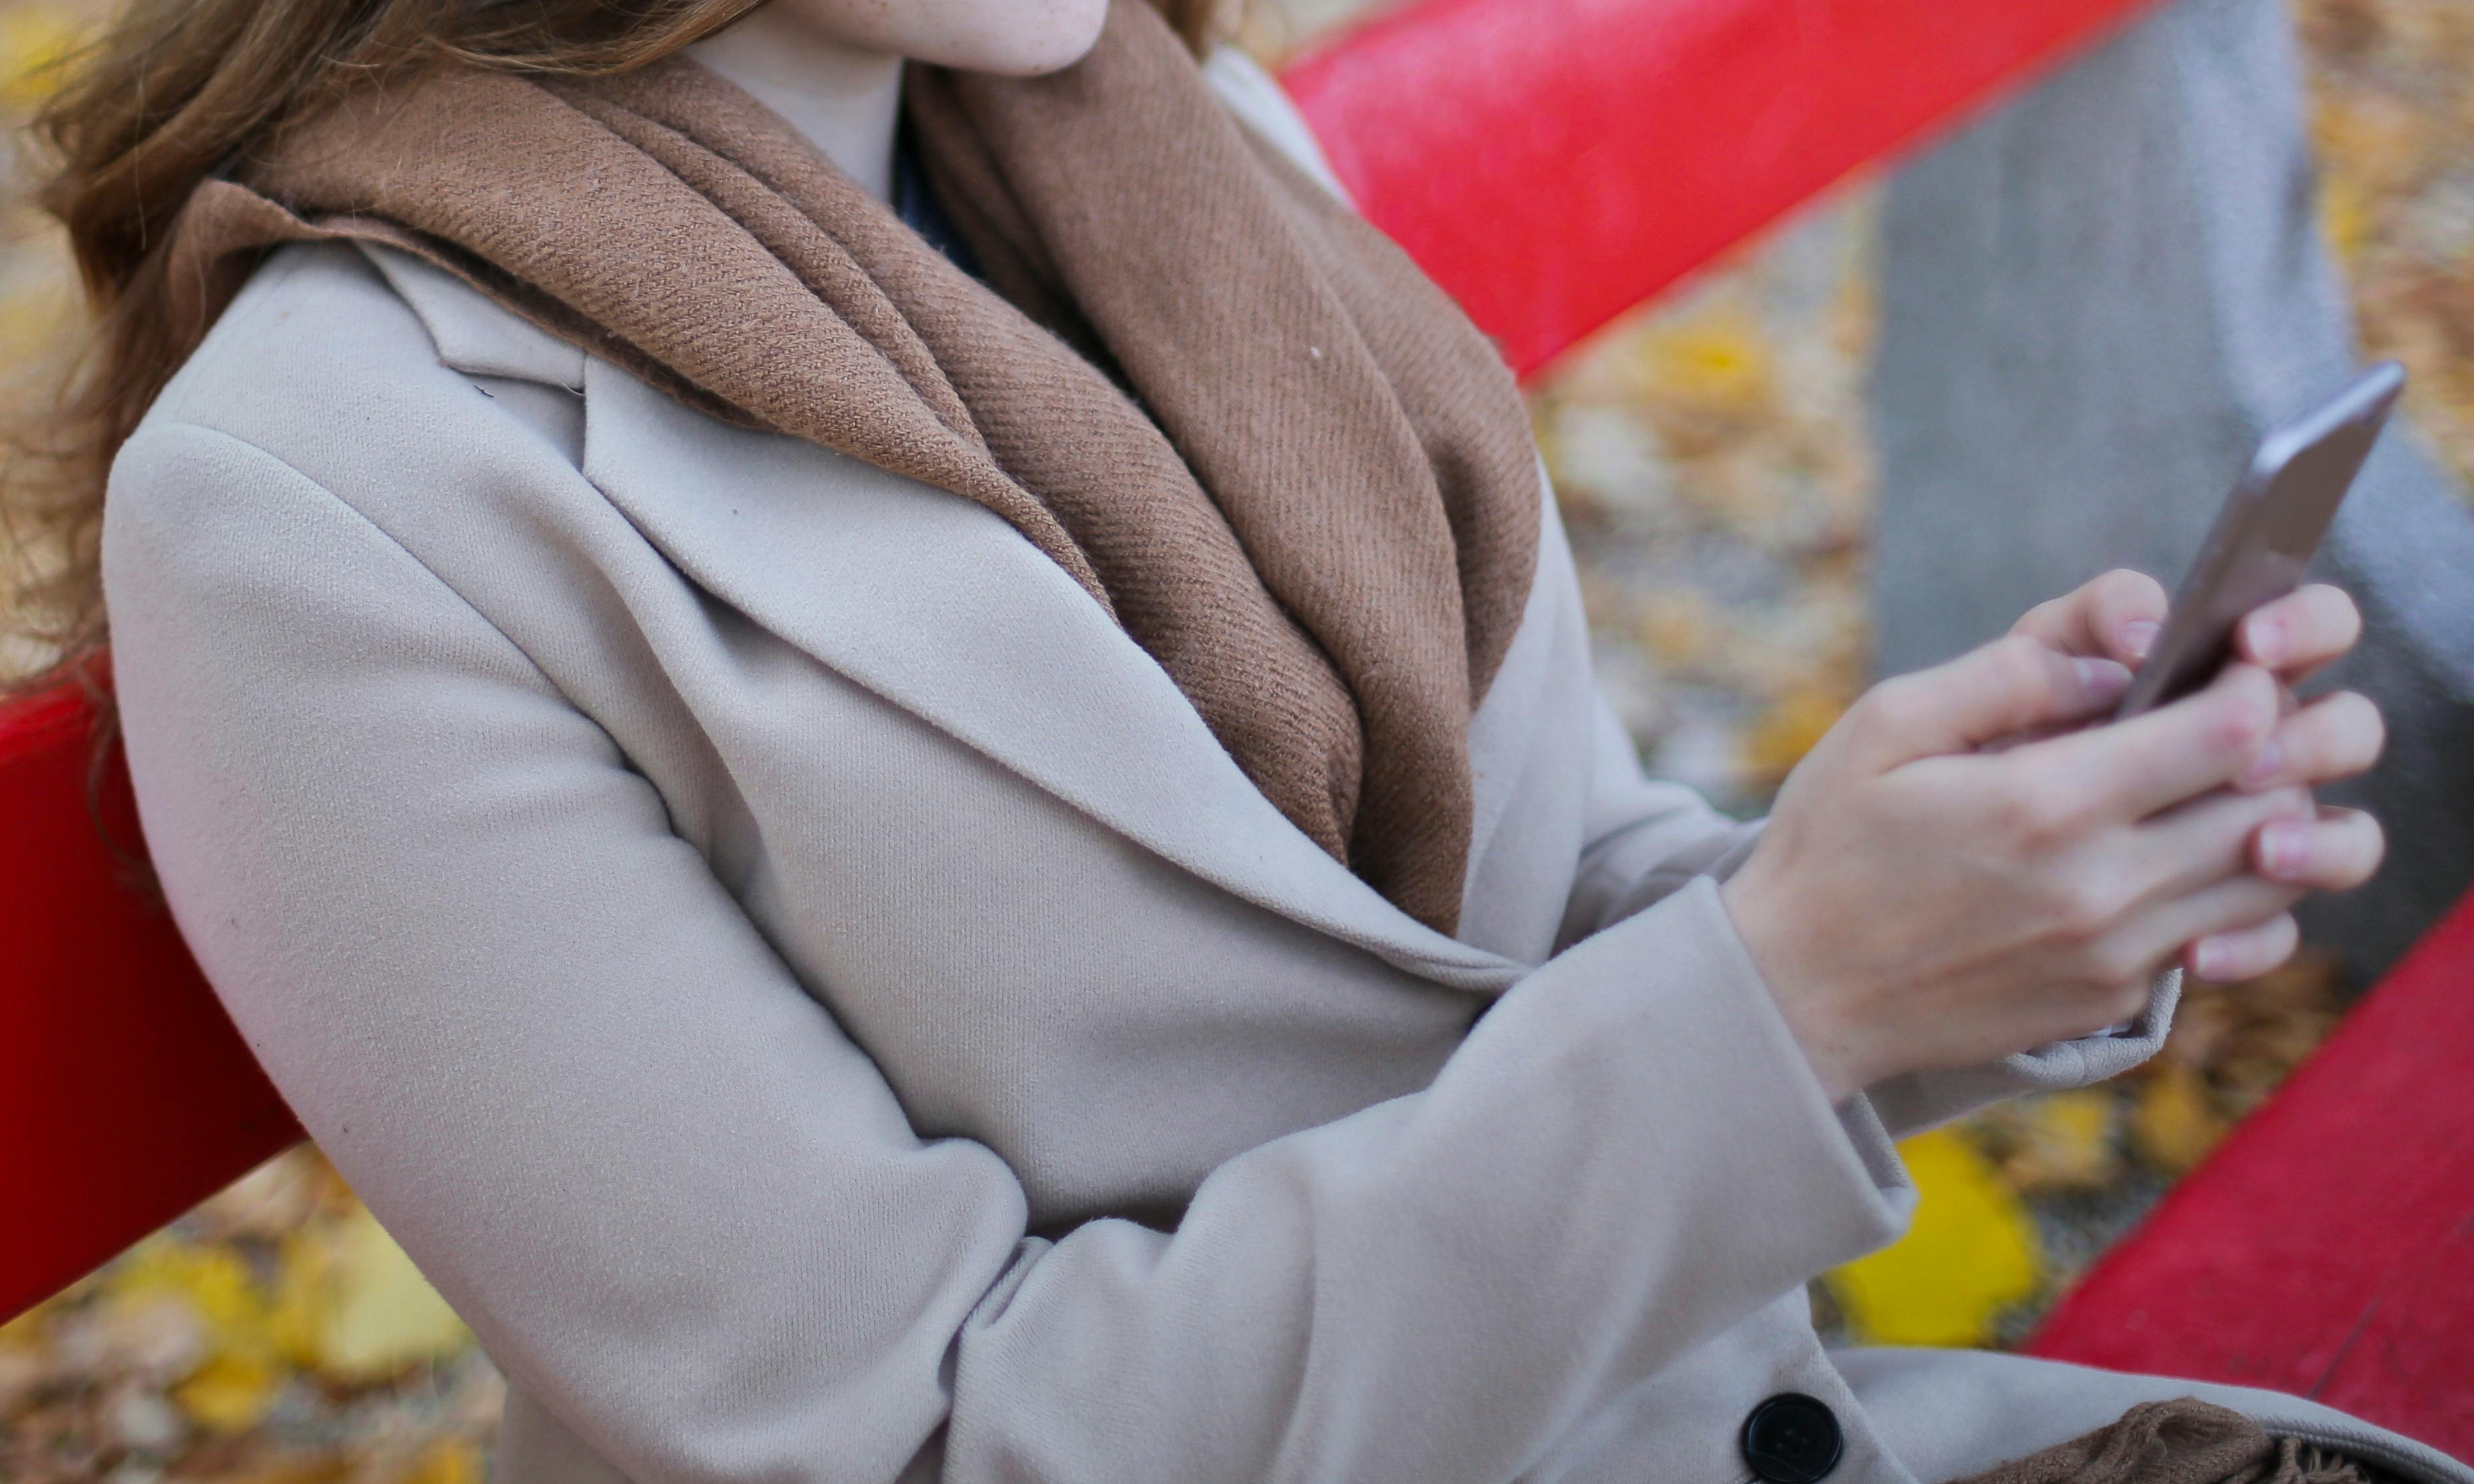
[1554, 163]
[126, 1096]
[2327, 1250]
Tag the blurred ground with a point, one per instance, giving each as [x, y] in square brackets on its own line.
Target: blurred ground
[1711, 460]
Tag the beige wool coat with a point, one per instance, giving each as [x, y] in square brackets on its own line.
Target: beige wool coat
[815, 997]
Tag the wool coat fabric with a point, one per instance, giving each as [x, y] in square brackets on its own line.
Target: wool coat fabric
[817, 997]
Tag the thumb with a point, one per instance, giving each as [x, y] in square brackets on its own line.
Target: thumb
[2005, 687]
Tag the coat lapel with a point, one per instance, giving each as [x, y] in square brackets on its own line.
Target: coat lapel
[940, 607]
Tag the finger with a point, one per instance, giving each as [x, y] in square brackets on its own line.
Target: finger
[2116, 616]
[2245, 953]
[2328, 738]
[2159, 936]
[2301, 632]
[2134, 768]
[1988, 693]
[2336, 852]
[2211, 839]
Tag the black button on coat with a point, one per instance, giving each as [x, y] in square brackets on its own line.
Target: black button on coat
[1791, 1439]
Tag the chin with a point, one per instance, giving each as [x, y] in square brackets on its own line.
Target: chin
[1018, 37]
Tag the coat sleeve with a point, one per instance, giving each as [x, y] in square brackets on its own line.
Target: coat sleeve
[1642, 838]
[685, 1211]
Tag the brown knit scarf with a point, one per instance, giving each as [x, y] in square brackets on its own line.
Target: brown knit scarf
[2184, 1442]
[1236, 415]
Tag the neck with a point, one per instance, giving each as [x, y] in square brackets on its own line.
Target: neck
[844, 101]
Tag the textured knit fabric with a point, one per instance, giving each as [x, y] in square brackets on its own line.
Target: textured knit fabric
[2185, 1441]
[1234, 413]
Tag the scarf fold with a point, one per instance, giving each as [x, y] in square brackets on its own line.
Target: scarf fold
[1233, 412]
[2182, 1442]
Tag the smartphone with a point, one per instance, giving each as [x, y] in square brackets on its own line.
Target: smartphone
[2265, 535]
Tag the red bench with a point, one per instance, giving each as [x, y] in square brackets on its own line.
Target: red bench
[126, 1096]
[1553, 163]
[2327, 1249]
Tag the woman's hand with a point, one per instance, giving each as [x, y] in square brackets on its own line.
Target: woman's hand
[1918, 902]
[2119, 616]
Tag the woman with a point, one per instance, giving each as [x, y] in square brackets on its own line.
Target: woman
[902, 759]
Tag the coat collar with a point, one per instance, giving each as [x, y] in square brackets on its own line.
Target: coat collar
[940, 607]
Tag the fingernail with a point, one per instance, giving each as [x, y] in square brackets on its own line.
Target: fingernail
[2138, 636]
[2100, 680]
[2285, 849]
[2267, 638]
[2207, 957]
[2264, 766]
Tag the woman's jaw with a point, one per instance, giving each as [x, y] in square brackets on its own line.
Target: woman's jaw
[833, 68]
[1015, 37]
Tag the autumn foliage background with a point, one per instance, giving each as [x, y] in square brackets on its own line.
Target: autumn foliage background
[1712, 457]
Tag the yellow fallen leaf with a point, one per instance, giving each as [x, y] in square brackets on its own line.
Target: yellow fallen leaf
[2055, 1141]
[34, 39]
[449, 1461]
[1677, 627]
[233, 1371]
[1779, 737]
[2173, 1124]
[1717, 359]
[328, 1465]
[232, 1393]
[2344, 217]
[215, 1281]
[26, 1329]
[353, 1306]
[1971, 1254]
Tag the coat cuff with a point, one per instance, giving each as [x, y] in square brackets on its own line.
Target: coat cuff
[1796, 1151]
[1919, 1100]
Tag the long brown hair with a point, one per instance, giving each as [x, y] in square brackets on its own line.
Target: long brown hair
[159, 102]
